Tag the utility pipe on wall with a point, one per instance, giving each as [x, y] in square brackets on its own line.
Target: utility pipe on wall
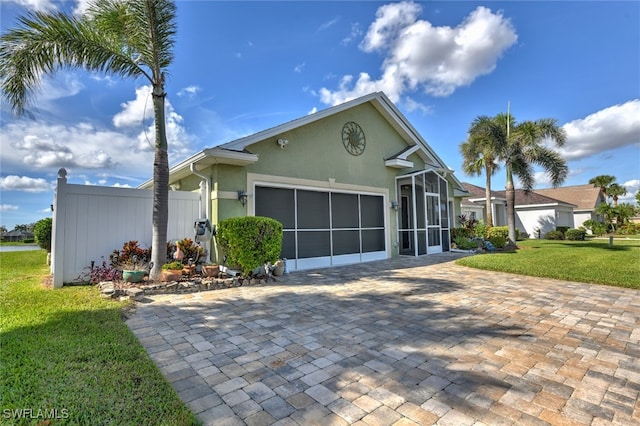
[207, 181]
[207, 199]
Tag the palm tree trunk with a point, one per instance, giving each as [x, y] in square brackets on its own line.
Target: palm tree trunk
[487, 194]
[511, 211]
[160, 186]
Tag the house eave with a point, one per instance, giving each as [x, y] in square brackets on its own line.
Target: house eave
[204, 159]
[398, 163]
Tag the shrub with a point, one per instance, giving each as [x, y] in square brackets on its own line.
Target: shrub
[29, 240]
[480, 230]
[521, 235]
[129, 250]
[629, 229]
[464, 233]
[498, 241]
[562, 229]
[554, 235]
[498, 231]
[574, 234]
[597, 228]
[190, 250]
[42, 233]
[173, 266]
[464, 243]
[466, 221]
[250, 242]
[99, 273]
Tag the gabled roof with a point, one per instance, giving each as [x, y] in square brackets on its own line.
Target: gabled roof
[477, 194]
[532, 198]
[585, 197]
[237, 151]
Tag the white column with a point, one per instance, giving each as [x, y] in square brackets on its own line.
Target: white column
[57, 231]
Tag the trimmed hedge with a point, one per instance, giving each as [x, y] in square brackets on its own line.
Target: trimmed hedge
[574, 234]
[498, 231]
[42, 233]
[498, 241]
[250, 241]
[554, 235]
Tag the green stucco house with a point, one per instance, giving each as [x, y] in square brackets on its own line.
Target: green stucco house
[352, 183]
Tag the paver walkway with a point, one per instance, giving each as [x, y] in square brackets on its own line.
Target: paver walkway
[399, 342]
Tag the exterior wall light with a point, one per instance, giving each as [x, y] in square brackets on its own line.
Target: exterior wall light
[395, 205]
[242, 197]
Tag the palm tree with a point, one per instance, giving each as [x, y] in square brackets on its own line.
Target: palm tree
[525, 149]
[479, 154]
[602, 182]
[125, 38]
[616, 190]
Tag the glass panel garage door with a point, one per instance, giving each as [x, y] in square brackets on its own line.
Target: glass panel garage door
[325, 228]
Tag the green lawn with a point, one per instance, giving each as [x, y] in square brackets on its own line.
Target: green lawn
[590, 261]
[68, 353]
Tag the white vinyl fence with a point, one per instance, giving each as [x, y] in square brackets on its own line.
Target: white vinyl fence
[89, 222]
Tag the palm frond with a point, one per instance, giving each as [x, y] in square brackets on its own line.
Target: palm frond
[126, 38]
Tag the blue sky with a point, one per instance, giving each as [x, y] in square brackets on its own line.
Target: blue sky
[242, 67]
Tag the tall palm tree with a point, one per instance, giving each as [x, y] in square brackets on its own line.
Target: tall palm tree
[525, 149]
[602, 182]
[479, 153]
[125, 38]
[614, 191]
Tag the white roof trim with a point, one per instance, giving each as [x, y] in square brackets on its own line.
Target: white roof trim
[398, 163]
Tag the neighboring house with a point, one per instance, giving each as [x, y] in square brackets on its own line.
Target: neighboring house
[16, 236]
[536, 213]
[585, 197]
[354, 182]
[475, 205]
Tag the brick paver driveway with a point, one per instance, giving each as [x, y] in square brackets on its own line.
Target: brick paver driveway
[403, 341]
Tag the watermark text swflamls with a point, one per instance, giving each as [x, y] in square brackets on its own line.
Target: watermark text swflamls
[40, 413]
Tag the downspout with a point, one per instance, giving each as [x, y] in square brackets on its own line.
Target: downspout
[207, 200]
[207, 181]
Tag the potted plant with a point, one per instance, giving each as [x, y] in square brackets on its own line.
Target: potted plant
[133, 270]
[210, 270]
[132, 261]
[171, 271]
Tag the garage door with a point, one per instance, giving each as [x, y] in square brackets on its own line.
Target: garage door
[324, 228]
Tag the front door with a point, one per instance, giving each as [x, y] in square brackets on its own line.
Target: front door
[434, 243]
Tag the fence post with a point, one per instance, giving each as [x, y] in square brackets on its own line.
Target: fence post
[57, 231]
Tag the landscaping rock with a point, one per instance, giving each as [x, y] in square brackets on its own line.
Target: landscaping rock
[135, 293]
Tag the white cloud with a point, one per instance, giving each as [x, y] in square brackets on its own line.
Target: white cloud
[329, 24]
[299, 67]
[39, 5]
[355, 33]
[24, 183]
[412, 105]
[136, 111]
[607, 129]
[140, 110]
[419, 56]
[8, 208]
[82, 6]
[189, 91]
[632, 186]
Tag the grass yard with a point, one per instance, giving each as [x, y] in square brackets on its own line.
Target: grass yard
[67, 353]
[590, 261]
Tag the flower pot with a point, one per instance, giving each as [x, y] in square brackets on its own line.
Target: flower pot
[210, 270]
[132, 276]
[278, 269]
[170, 275]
